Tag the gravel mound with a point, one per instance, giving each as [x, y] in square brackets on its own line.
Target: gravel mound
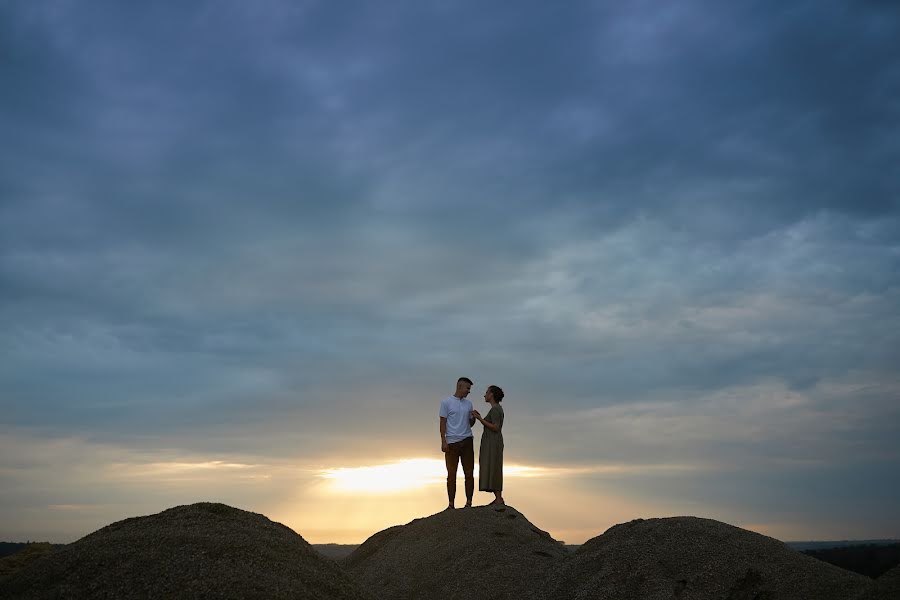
[196, 551]
[696, 559]
[886, 587]
[472, 553]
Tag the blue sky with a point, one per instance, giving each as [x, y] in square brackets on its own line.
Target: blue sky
[241, 245]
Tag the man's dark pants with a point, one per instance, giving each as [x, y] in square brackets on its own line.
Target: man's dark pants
[461, 451]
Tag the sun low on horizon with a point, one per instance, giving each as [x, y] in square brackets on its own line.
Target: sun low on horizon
[402, 475]
[349, 504]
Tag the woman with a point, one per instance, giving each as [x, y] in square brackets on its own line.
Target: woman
[490, 456]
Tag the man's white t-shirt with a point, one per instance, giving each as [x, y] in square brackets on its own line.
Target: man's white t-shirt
[457, 413]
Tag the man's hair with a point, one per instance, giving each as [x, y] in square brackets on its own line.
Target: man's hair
[497, 392]
[466, 379]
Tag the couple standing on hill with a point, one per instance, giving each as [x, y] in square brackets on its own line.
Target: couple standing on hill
[456, 419]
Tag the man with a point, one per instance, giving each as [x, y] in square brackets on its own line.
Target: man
[456, 422]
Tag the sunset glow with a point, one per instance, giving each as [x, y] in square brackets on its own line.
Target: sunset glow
[391, 477]
[409, 474]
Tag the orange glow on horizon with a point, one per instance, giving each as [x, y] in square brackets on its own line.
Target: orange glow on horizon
[387, 478]
[407, 474]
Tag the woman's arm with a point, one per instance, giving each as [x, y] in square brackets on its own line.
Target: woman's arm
[487, 424]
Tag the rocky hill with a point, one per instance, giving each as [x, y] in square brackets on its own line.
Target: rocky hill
[197, 551]
[483, 552]
[700, 559]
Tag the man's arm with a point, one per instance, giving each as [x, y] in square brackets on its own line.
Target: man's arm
[443, 429]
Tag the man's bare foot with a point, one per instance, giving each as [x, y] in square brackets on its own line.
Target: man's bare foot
[468, 505]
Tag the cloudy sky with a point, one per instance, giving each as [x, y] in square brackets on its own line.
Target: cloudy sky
[247, 248]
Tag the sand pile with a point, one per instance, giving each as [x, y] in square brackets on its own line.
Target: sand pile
[196, 551]
[473, 553]
[689, 557]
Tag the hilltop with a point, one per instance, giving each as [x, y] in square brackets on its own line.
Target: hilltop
[471, 553]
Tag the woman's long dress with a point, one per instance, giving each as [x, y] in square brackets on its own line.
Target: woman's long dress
[490, 455]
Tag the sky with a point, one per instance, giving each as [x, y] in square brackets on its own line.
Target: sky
[247, 248]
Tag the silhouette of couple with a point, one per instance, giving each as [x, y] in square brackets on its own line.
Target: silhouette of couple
[456, 419]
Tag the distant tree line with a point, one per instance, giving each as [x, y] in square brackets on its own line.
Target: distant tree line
[868, 559]
[8, 548]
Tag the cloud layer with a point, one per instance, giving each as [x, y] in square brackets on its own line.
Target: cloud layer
[252, 234]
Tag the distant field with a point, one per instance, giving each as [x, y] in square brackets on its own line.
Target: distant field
[871, 560]
[803, 546]
[8, 548]
[335, 551]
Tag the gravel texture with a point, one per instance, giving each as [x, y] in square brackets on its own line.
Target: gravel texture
[688, 558]
[471, 553]
[197, 551]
